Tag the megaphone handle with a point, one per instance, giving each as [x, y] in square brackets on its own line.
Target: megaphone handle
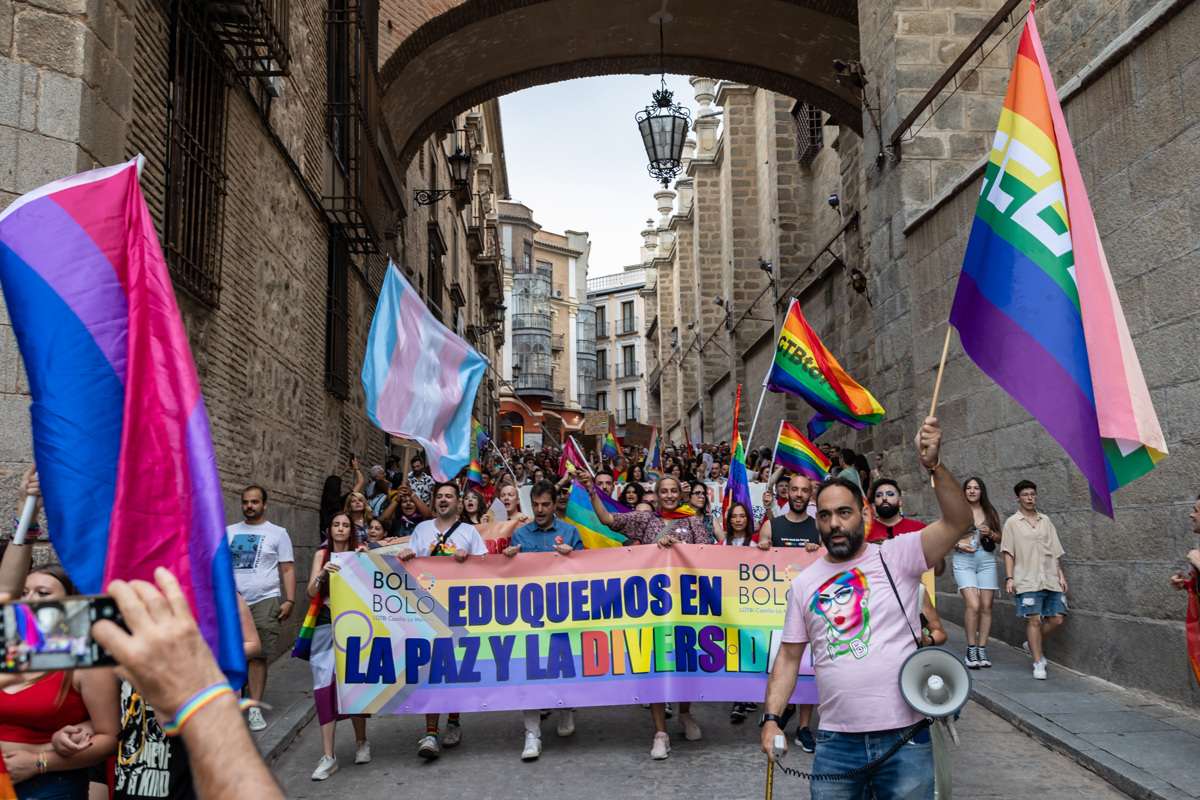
[950, 727]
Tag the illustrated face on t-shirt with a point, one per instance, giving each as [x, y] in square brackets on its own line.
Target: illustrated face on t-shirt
[843, 602]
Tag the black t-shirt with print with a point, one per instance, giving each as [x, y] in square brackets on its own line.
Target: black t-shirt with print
[785, 533]
[149, 763]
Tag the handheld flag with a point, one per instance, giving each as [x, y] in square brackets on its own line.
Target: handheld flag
[303, 647]
[114, 386]
[572, 457]
[613, 506]
[737, 490]
[804, 367]
[420, 377]
[1036, 308]
[793, 451]
[1193, 624]
[654, 462]
[581, 514]
[479, 440]
[611, 449]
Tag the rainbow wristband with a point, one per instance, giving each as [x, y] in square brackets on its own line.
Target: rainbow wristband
[197, 701]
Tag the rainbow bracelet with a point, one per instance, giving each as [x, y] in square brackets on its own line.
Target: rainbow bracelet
[197, 701]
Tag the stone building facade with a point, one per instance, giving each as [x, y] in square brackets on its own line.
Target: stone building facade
[279, 199]
[549, 356]
[621, 354]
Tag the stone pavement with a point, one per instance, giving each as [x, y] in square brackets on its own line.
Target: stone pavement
[1142, 746]
[609, 756]
[290, 693]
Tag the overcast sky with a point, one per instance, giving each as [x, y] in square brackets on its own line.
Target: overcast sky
[575, 157]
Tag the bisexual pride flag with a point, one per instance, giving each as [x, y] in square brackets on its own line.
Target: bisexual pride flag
[1036, 307]
[804, 367]
[420, 377]
[793, 451]
[120, 433]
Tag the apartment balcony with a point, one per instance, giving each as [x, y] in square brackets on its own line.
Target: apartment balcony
[625, 415]
[628, 372]
[588, 402]
[653, 382]
[601, 330]
[558, 341]
[535, 384]
[559, 399]
[586, 347]
[626, 326]
[540, 322]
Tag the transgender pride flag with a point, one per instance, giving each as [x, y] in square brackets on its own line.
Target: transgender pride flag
[120, 433]
[1036, 307]
[420, 378]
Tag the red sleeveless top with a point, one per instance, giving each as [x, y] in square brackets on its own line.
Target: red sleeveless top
[29, 716]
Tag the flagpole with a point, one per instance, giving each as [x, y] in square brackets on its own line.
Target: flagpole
[937, 386]
[582, 457]
[754, 424]
[776, 449]
[502, 458]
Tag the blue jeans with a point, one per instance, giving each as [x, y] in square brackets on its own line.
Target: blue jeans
[70, 784]
[908, 775]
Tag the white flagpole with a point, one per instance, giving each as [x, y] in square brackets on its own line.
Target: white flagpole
[582, 457]
[503, 459]
[754, 424]
[776, 450]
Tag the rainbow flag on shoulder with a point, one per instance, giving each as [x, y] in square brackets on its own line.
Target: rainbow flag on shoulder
[1036, 308]
[804, 367]
[793, 451]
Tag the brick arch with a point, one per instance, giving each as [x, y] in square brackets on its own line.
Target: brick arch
[460, 54]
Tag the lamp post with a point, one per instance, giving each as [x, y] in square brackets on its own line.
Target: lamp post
[460, 173]
[497, 322]
[664, 126]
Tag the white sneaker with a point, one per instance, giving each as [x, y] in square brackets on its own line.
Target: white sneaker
[662, 746]
[451, 735]
[690, 729]
[257, 723]
[670, 711]
[1039, 671]
[566, 722]
[533, 746]
[1025, 647]
[325, 767]
[429, 748]
[362, 753]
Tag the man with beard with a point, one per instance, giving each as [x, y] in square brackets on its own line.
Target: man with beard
[795, 529]
[889, 522]
[858, 608]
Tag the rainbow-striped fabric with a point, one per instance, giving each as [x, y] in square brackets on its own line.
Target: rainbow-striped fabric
[1036, 308]
[303, 647]
[581, 514]
[611, 449]
[804, 367]
[479, 440]
[795, 452]
[7, 792]
[27, 626]
[737, 488]
[654, 461]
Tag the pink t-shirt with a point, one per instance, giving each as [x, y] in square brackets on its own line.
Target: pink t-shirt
[849, 613]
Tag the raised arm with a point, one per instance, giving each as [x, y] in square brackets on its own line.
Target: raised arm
[938, 538]
[602, 513]
[17, 560]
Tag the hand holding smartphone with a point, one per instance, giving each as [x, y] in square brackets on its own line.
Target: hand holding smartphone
[55, 635]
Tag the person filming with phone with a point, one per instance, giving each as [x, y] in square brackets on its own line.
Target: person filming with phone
[858, 608]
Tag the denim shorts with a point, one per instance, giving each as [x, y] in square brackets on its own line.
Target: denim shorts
[69, 784]
[1043, 603]
[908, 775]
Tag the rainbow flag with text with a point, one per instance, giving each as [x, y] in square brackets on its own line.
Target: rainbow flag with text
[1036, 308]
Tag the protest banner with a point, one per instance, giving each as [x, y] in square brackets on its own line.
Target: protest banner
[637, 434]
[622, 625]
[595, 422]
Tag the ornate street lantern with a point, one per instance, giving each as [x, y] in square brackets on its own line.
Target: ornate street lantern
[664, 127]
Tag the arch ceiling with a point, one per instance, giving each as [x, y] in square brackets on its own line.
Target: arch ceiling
[482, 49]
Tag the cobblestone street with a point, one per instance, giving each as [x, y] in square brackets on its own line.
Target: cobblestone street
[609, 757]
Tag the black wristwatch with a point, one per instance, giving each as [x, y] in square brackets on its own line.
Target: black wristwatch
[770, 718]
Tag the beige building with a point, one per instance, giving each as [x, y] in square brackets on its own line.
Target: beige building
[549, 353]
[621, 350]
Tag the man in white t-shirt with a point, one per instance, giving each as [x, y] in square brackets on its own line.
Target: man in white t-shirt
[262, 556]
[861, 631]
[444, 535]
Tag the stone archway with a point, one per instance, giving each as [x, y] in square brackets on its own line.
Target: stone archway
[479, 49]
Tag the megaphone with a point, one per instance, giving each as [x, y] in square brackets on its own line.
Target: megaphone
[935, 682]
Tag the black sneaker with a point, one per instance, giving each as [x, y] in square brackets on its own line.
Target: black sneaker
[738, 714]
[751, 707]
[805, 739]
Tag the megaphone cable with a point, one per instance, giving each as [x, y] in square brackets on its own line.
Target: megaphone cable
[841, 776]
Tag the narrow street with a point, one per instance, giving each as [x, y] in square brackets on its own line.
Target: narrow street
[609, 757]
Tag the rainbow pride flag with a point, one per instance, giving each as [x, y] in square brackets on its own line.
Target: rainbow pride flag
[581, 514]
[613, 506]
[611, 449]
[804, 367]
[114, 387]
[681, 512]
[1036, 308]
[737, 489]
[479, 440]
[654, 460]
[793, 451]
[303, 646]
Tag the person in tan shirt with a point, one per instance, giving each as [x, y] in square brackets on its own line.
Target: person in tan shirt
[1031, 552]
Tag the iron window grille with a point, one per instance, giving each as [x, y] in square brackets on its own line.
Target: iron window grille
[257, 33]
[351, 112]
[337, 322]
[808, 131]
[195, 154]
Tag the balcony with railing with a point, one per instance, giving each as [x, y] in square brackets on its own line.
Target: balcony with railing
[625, 415]
[628, 278]
[558, 341]
[627, 371]
[626, 326]
[601, 330]
[652, 382]
[535, 383]
[588, 402]
[539, 322]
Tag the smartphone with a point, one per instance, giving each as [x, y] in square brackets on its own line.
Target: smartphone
[51, 635]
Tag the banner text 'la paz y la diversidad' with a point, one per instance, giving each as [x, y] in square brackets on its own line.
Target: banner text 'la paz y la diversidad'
[617, 626]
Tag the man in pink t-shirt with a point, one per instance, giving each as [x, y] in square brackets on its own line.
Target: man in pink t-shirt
[860, 631]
